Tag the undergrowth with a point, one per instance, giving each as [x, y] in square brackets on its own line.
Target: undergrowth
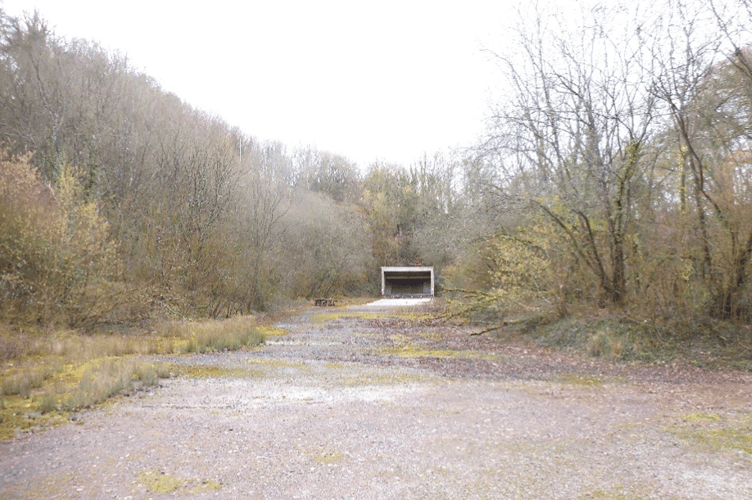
[47, 376]
[700, 342]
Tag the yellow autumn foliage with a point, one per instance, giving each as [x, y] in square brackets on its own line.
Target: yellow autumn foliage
[513, 271]
[57, 261]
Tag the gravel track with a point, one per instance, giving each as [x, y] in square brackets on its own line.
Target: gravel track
[360, 403]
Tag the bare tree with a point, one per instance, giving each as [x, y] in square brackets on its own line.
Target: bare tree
[704, 78]
[575, 132]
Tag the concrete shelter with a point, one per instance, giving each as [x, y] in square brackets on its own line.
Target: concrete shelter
[407, 281]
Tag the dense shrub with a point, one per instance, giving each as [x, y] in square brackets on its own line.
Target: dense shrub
[57, 261]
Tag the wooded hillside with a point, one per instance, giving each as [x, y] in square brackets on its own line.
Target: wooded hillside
[616, 174]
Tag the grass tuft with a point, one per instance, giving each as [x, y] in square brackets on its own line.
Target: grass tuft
[215, 336]
[47, 374]
[106, 378]
[23, 382]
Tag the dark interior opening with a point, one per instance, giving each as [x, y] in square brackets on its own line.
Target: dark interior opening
[407, 283]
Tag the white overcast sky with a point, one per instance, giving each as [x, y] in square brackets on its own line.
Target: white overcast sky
[369, 80]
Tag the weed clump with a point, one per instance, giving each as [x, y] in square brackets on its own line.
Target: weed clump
[50, 373]
[48, 404]
[216, 336]
[106, 378]
[22, 382]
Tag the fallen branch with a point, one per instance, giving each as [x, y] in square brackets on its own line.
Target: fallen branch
[486, 330]
[501, 325]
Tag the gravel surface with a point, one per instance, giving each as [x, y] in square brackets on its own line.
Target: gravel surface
[360, 403]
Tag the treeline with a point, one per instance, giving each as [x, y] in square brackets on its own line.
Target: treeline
[617, 173]
[119, 201]
[623, 149]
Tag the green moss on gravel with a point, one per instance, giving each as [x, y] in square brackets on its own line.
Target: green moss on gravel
[715, 432]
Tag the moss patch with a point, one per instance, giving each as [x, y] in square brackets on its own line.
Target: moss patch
[403, 314]
[724, 438]
[701, 417]
[411, 351]
[716, 432]
[320, 318]
[254, 368]
[616, 493]
[380, 379]
[276, 363]
[205, 486]
[214, 371]
[586, 380]
[18, 415]
[161, 482]
[271, 331]
[431, 335]
[329, 457]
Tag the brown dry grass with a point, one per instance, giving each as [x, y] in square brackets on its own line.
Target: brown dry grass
[46, 375]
